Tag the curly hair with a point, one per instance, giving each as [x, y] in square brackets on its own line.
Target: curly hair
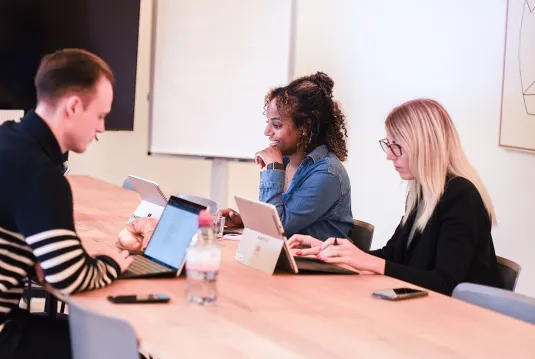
[309, 102]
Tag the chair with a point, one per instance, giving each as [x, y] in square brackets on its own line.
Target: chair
[34, 290]
[499, 300]
[509, 272]
[211, 205]
[362, 235]
[128, 185]
[94, 335]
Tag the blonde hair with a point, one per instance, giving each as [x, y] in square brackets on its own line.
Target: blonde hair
[425, 131]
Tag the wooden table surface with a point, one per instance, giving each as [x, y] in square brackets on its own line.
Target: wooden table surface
[284, 315]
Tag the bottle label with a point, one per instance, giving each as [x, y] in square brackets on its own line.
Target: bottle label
[203, 260]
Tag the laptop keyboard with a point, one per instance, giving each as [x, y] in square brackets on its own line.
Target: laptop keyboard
[311, 264]
[143, 265]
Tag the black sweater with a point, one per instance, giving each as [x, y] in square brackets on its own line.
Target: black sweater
[456, 245]
[36, 218]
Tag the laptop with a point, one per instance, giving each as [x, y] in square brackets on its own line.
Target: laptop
[264, 245]
[166, 252]
[153, 200]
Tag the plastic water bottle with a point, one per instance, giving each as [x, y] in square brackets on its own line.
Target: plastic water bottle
[202, 263]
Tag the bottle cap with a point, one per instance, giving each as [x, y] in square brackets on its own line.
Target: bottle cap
[205, 218]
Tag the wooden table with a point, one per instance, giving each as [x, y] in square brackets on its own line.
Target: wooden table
[288, 316]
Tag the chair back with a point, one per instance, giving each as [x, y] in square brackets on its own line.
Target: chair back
[94, 335]
[362, 235]
[498, 300]
[211, 205]
[509, 272]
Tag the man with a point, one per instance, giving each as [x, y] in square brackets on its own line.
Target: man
[37, 234]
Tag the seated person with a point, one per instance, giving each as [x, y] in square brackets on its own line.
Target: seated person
[302, 173]
[445, 236]
[37, 233]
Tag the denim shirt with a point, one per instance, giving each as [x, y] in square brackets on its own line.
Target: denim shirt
[318, 200]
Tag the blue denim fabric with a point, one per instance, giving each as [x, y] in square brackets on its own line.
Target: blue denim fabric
[318, 200]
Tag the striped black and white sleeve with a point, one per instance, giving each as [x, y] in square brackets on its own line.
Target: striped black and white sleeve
[44, 216]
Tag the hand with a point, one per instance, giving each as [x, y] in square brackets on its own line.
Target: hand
[232, 218]
[345, 252]
[122, 258]
[310, 244]
[137, 234]
[268, 155]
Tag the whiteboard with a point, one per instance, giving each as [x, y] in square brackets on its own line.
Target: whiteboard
[213, 63]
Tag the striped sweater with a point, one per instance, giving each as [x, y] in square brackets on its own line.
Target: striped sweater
[36, 218]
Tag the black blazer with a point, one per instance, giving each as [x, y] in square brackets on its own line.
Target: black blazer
[455, 246]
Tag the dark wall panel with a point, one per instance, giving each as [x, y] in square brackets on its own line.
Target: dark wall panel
[31, 28]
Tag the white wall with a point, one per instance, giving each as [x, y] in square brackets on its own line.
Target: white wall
[7, 115]
[379, 56]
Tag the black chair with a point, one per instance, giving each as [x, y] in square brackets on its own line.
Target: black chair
[33, 290]
[362, 235]
[509, 272]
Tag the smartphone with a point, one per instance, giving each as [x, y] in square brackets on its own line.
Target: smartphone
[139, 298]
[399, 293]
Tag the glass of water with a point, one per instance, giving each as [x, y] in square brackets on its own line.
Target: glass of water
[219, 225]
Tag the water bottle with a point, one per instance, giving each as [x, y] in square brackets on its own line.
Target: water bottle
[203, 259]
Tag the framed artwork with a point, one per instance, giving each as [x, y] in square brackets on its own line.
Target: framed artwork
[517, 118]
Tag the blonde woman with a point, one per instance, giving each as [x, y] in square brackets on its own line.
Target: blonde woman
[444, 237]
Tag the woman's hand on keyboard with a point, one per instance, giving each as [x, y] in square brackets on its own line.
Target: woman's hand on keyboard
[306, 245]
[122, 257]
[342, 251]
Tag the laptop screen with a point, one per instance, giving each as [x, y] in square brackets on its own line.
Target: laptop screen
[177, 225]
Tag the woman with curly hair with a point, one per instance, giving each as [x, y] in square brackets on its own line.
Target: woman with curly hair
[302, 172]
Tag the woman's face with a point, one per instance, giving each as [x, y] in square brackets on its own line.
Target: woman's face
[398, 156]
[282, 133]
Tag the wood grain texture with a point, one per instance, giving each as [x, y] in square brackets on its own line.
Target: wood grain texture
[288, 316]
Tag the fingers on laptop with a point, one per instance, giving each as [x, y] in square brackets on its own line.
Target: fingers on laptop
[308, 251]
[303, 241]
[335, 242]
[121, 257]
[297, 241]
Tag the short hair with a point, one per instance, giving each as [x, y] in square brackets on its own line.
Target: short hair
[70, 71]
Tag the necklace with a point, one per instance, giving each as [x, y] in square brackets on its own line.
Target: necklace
[287, 179]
